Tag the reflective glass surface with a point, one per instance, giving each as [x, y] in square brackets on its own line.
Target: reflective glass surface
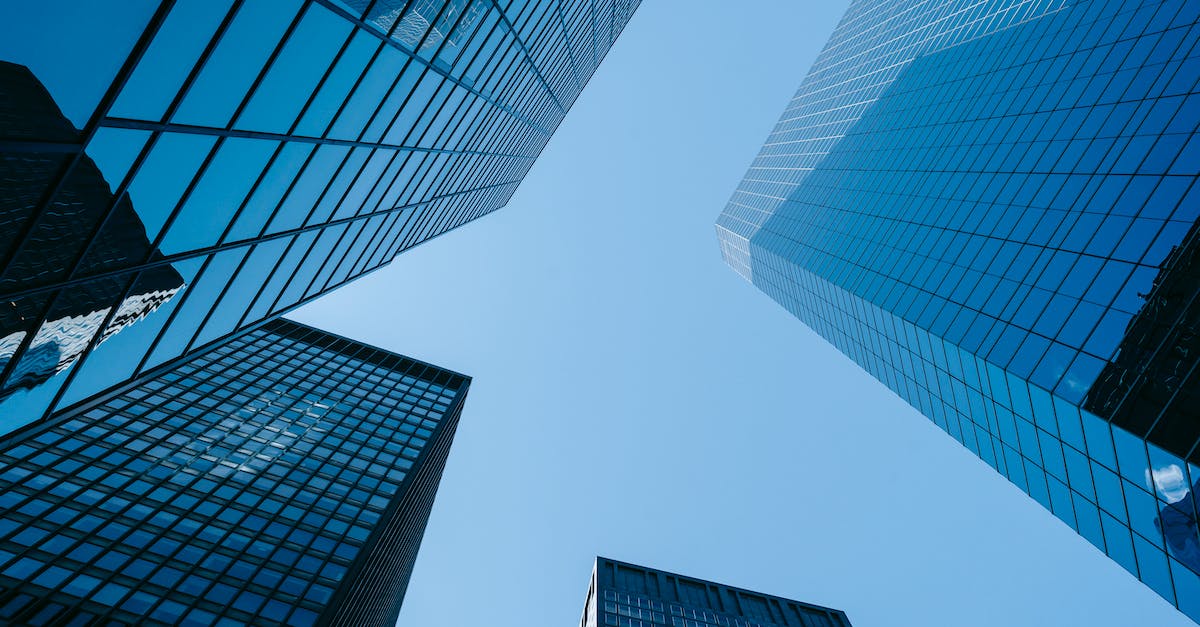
[627, 595]
[194, 167]
[282, 478]
[992, 208]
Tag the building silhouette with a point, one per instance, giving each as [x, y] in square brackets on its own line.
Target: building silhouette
[991, 208]
[29, 114]
[284, 477]
[267, 153]
[626, 595]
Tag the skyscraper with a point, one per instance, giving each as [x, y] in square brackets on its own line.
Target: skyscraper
[626, 595]
[991, 207]
[174, 171]
[284, 477]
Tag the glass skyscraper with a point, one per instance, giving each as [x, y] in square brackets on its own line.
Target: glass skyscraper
[626, 595]
[991, 207]
[174, 171]
[284, 477]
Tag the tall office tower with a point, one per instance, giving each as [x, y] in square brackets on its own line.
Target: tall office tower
[283, 477]
[990, 207]
[627, 595]
[174, 171]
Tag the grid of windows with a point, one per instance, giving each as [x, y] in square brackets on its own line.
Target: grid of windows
[625, 595]
[246, 485]
[263, 153]
[983, 234]
[872, 46]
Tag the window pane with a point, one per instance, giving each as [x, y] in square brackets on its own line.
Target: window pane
[295, 74]
[236, 62]
[169, 59]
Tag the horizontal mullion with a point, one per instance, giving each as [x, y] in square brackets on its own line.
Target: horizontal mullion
[220, 132]
[236, 244]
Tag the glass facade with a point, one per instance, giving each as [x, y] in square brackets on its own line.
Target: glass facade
[173, 171]
[991, 207]
[627, 595]
[284, 477]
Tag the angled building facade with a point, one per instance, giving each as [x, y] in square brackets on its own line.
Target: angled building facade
[627, 595]
[174, 171]
[991, 207]
[284, 477]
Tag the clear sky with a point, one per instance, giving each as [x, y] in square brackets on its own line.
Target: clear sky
[633, 397]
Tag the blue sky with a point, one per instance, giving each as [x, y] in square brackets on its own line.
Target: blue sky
[633, 397]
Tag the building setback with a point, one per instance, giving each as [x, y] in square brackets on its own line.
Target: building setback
[246, 157]
[991, 208]
[283, 477]
[627, 595]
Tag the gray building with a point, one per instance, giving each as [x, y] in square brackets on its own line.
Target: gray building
[251, 155]
[991, 208]
[627, 595]
[283, 477]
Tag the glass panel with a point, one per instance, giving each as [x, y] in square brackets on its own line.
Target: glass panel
[164, 176]
[270, 191]
[243, 289]
[169, 59]
[283, 273]
[233, 66]
[127, 337]
[317, 256]
[295, 74]
[212, 204]
[114, 150]
[337, 188]
[400, 92]
[369, 178]
[369, 93]
[340, 258]
[78, 63]
[27, 176]
[75, 317]
[196, 304]
[300, 199]
[398, 134]
[338, 85]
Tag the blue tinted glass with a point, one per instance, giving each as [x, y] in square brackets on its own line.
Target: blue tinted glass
[391, 106]
[217, 196]
[1003, 180]
[166, 63]
[165, 174]
[296, 72]
[312, 182]
[234, 65]
[126, 339]
[243, 289]
[333, 92]
[317, 257]
[79, 60]
[333, 193]
[270, 190]
[368, 94]
[196, 304]
[264, 302]
[114, 151]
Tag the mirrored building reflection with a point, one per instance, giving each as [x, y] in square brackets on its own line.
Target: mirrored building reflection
[264, 153]
[282, 478]
[991, 208]
[621, 594]
[34, 349]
